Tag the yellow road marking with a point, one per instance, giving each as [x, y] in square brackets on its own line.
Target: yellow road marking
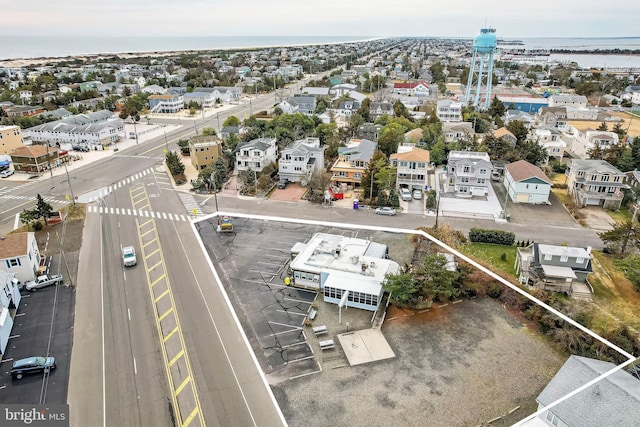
[162, 295]
[166, 313]
[183, 385]
[190, 417]
[159, 262]
[145, 223]
[152, 253]
[174, 360]
[166, 338]
[150, 242]
[30, 202]
[157, 280]
[147, 232]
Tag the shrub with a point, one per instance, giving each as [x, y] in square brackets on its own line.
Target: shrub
[37, 226]
[497, 237]
[503, 256]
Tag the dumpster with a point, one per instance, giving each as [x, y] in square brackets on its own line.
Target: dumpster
[355, 203]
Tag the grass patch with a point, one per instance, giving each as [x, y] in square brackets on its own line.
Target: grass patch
[492, 256]
[562, 195]
[621, 215]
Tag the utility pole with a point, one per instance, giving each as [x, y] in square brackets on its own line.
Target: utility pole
[219, 129]
[195, 127]
[73, 199]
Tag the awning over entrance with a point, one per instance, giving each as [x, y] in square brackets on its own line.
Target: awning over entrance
[558, 272]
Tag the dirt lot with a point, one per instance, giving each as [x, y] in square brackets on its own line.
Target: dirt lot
[448, 357]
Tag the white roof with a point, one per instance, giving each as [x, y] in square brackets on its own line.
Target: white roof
[558, 271]
[349, 282]
[569, 251]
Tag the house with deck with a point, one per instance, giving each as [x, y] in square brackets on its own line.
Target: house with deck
[352, 162]
[300, 159]
[468, 173]
[595, 183]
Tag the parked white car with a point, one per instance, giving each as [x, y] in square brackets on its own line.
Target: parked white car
[6, 173]
[405, 194]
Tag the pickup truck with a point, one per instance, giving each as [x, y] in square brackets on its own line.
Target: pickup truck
[44, 281]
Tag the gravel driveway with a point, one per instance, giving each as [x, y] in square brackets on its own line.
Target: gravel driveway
[459, 365]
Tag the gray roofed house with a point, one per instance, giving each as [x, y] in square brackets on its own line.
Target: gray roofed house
[226, 131]
[521, 116]
[377, 109]
[579, 101]
[99, 128]
[369, 131]
[299, 104]
[612, 401]
[468, 173]
[457, 131]
[315, 91]
[595, 183]
[256, 154]
[300, 159]
[58, 114]
[352, 162]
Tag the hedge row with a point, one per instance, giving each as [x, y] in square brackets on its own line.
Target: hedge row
[497, 237]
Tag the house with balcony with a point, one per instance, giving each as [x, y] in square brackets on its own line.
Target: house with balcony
[300, 159]
[369, 131]
[449, 111]
[167, 104]
[526, 183]
[595, 183]
[584, 140]
[419, 88]
[377, 109]
[468, 173]
[412, 166]
[352, 162]
[202, 99]
[458, 131]
[555, 268]
[256, 154]
[94, 129]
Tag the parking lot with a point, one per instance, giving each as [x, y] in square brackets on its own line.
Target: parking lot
[43, 325]
[291, 193]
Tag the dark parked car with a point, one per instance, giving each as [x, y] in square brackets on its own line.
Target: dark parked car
[32, 365]
[283, 184]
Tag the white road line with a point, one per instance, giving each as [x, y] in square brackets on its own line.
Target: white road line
[111, 211]
[164, 215]
[117, 211]
[146, 213]
[128, 211]
[183, 218]
[292, 312]
[129, 313]
[170, 217]
[152, 214]
[135, 366]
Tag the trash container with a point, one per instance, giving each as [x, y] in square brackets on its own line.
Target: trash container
[355, 203]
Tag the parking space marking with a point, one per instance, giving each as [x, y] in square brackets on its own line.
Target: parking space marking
[295, 328]
[298, 300]
[14, 336]
[292, 312]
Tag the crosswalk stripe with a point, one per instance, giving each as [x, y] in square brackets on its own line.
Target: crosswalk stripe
[164, 215]
[183, 218]
[152, 214]
[128, 211]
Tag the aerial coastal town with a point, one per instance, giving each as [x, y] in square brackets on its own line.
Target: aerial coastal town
[410, 231]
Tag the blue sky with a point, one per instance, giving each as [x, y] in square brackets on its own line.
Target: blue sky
[541, 18]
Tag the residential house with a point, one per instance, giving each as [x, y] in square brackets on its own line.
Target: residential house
[352, 162]
[595, 183]
[585, 140]
[458, 131]
[299, 104]
[413, 136]
[468, 173]
[412, 167]
[300, 160]
[377, 109]
[526, 183]
[256, 154]
[58, 114]
[555, 268]
[512, 115]
[204, 151]
[34, 158]
[504, 134]
[612, 401]
[166, 104]
[449, 111]
[10, 139]
[337, 265]
[369, 131]
[9, 301]
[347, 108]
[94, 129]
[202, 99]
[578, 101]
[18, 111]
[555, 117]
[227, 131]
[419, 88]
[25, 95]
[551, 140]
[154, 90]
[20, 256]
[315, 91]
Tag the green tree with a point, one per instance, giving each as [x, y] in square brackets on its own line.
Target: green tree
[209, 132]
[617, 239]
[29, 217]
[518, 129]
[496, 107]
[403, 289]
[370, 173]
[386, 175]
[437, 281]
[231, 121]
[390, 137]
[220, 172]
[400, 110]
[603, 126]
[318, 184]
[596, 153]
[438, 153]
[532, 152]
[174, 163]
[43, 208]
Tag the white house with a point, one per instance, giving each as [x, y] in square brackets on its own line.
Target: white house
[635, 98]
[412, 166]
[587, 139]
[9, 298]
[449, 111]
[256, 154]
[526, 183]
[578, 101]
[299, 160]
[468, 173]
[19, 255]
[551, 140]
[337, 265]
[99, 128]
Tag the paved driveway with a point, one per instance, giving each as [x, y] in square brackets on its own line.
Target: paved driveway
[292, 193]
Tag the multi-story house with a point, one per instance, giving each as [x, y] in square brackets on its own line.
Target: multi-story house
[95, 129]
[578, 101]
[551, 140]
[202, 99]
[300, 159]
[10, 139]
[449, 111]
[555, 117]
[256, 154]
[377, 109]
[369, 131]
[595, 183]
[412, 165]
[299, 104]
[458, 131]
[19, 255]
[468, 173]
[526, 183]
[586, 140]
[352, 162]
[166, 104]
[554, 268]
[347, 108]
[419, 88]
[204, 151]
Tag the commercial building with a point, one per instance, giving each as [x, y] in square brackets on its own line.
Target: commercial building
[204, 151]
[10, 139]
[343, 269]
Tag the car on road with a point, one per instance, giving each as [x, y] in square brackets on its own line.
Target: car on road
[417, 194]
[385, 211]
[6, 173]
[129, 256]
[405, 194]
[32, 365]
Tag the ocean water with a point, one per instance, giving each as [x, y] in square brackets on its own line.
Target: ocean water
[14, 47]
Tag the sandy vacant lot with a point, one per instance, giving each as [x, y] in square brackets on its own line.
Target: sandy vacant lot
[459, 365]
